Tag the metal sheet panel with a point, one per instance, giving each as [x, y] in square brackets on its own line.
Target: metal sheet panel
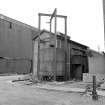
[15, 42]
[13, 66]
[47, 61]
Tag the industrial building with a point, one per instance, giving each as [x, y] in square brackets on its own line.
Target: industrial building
[15, 46]
[72, 67]
[96, 64]
[19, 54]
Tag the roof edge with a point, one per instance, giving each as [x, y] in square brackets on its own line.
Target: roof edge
[3, 17]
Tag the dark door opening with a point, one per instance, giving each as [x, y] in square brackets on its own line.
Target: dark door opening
[76, 71]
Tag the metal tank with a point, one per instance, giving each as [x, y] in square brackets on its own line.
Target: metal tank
[47, 62]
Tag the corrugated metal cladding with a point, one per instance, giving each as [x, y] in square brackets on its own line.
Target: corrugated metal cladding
[72, 67]
[15, 42]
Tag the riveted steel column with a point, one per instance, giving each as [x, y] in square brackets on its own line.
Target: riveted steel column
[66, 50]
[50, 26]
[55, 52]
[38, 64]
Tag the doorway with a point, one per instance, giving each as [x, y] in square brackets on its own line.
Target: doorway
[76, 71]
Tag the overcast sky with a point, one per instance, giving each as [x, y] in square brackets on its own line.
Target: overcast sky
[85, 17]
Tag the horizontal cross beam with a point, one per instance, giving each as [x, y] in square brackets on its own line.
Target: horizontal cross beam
[60, 16]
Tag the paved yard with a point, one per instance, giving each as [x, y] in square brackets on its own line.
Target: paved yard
[20, 94]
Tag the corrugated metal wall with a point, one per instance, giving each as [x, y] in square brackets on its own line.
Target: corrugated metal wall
[15, 42]
[96, 63]
[47, 57]
[15, 66]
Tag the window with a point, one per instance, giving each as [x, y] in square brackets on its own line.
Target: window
[10, 25]
[58, 43]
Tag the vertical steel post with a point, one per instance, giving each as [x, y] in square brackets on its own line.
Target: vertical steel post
[39, 24]
[55, 52]
[66, 61]
[69, 55]
[38, 62]
[50, 25]
[94, 92]
[67, 52]
[55, 38]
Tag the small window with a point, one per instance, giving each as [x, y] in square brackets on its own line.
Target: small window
[58, 43]
[51, 45]
[10, 25]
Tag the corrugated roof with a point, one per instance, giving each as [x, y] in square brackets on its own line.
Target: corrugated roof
[59, 35]
[42, 31]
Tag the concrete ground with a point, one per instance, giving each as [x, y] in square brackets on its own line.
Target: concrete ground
[21, 94]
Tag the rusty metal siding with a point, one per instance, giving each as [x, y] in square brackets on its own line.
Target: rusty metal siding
[35, 58]
[46, 60]
[96, 63]
[15, 66]
[15, 42]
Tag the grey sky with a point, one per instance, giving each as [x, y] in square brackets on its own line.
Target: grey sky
[85, 17]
